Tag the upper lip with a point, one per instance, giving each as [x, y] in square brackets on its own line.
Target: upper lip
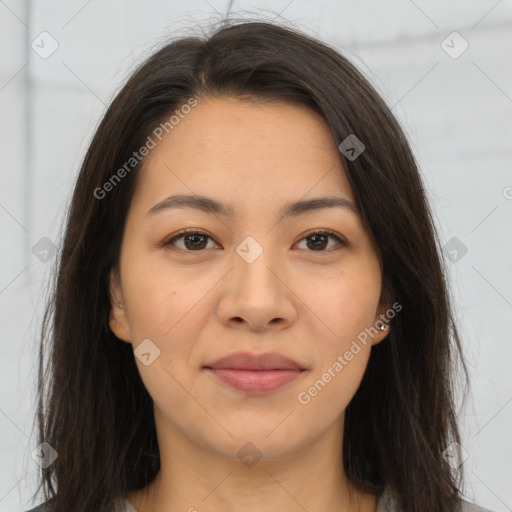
[249, 361]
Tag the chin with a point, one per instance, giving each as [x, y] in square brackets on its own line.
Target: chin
[263, 443]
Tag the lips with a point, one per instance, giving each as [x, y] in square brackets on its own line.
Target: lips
[248, 361]
[255, 373]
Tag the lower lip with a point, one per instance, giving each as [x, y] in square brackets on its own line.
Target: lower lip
[255, 382]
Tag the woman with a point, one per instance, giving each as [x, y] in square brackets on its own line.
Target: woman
[250, 310]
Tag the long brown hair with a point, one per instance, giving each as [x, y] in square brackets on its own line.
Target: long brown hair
[93, 408]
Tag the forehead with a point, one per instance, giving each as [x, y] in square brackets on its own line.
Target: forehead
[255, 150]
[242, 125]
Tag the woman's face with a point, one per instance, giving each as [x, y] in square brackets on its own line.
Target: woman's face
[251, 279]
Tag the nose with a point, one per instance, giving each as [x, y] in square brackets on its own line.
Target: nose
[256, 295]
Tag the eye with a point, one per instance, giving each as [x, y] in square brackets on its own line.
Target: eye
[319, 240]
[193, 240]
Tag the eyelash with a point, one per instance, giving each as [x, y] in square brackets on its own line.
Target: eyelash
[194, 231]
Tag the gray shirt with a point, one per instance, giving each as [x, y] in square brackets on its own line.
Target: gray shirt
[384, 504]
[387, 504]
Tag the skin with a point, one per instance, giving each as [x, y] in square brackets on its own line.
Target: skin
[199, 304]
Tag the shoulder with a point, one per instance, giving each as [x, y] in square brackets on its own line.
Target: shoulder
[386, 503]
[122, 505]
[44, 507]
[471, 507]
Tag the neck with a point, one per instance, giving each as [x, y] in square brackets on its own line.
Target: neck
[195, 479]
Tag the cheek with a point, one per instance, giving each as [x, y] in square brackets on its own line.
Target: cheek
[343, 305]
[170, 309]
[344, 312]
[168, 312]
[161, 298]
[331, 390]
[347, 305]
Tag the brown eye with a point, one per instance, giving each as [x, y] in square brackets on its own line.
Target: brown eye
[318, 241]
[193, 241]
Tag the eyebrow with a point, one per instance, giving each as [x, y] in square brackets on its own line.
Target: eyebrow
[209, 205]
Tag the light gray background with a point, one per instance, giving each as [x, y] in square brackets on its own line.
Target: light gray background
[456, 111]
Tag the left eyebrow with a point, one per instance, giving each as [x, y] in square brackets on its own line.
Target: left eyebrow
[212, 206]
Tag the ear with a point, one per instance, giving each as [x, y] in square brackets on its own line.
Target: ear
[117, 320]
[383, 317]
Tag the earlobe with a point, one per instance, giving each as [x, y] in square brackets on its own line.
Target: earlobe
[118, 321]
[382, 319]
[383, 328]
[118, 326]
